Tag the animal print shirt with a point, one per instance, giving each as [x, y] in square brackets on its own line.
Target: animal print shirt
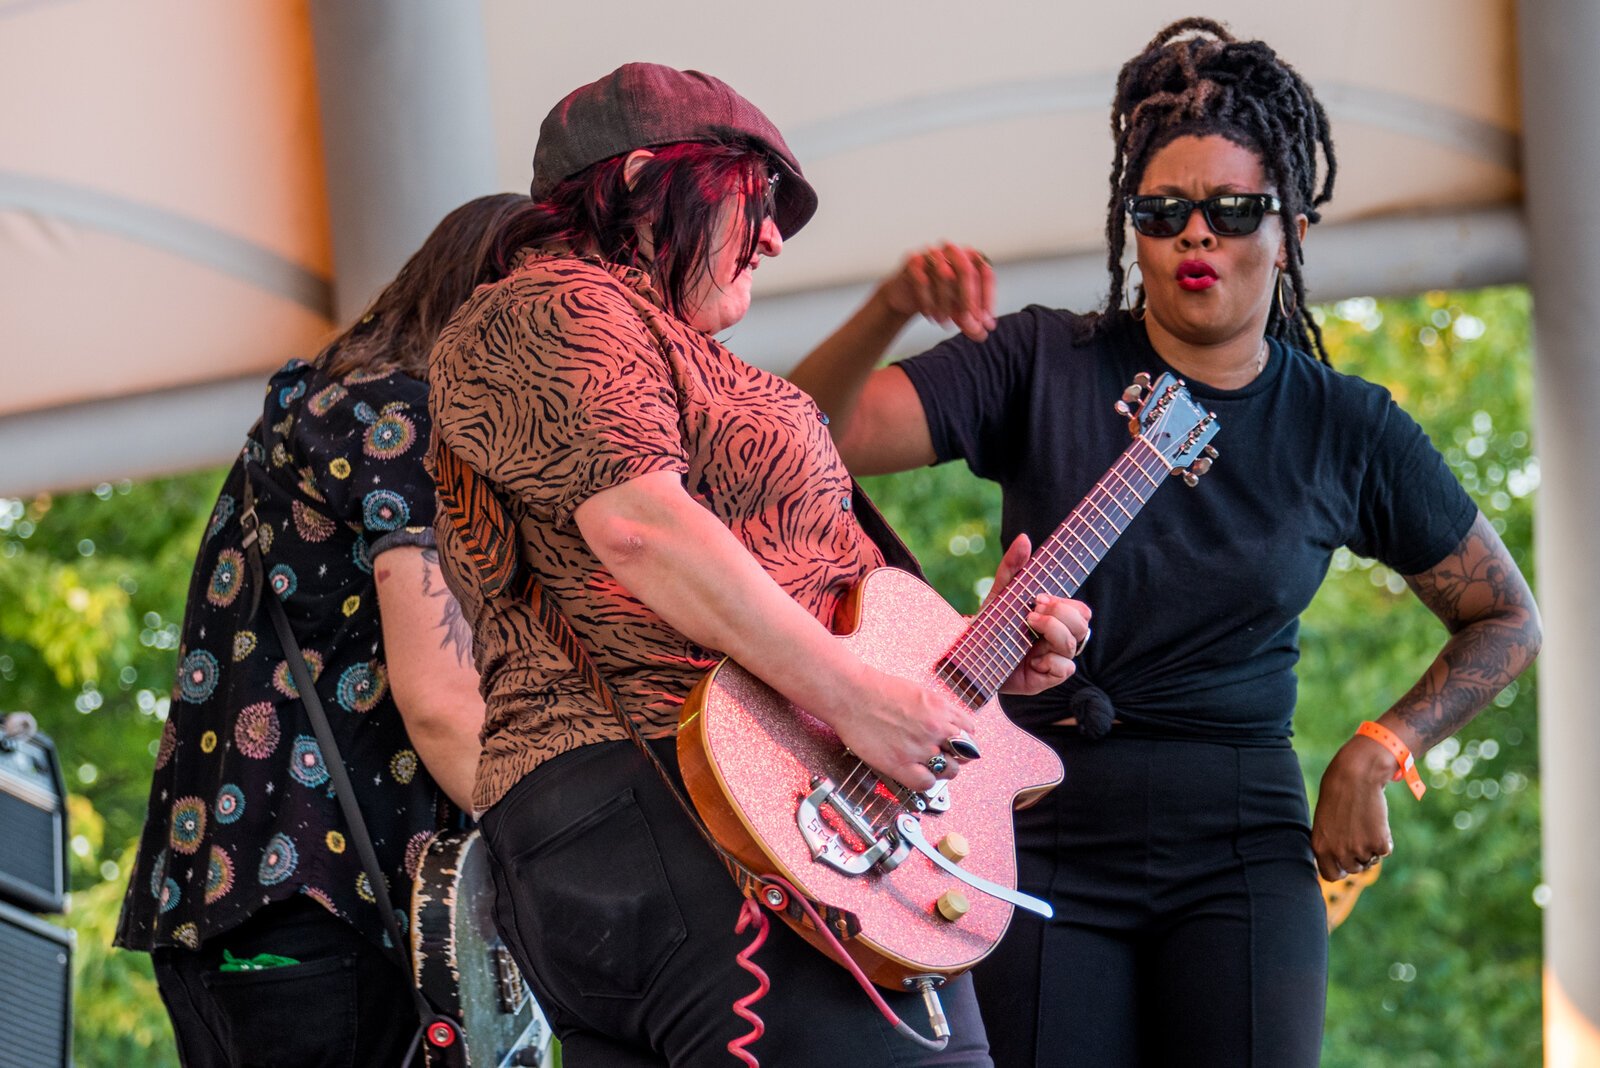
[569, 377]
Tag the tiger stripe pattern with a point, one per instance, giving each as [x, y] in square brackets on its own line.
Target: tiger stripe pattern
[567, 378]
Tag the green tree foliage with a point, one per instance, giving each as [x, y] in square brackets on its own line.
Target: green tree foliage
[1439, 963]
[91, 593]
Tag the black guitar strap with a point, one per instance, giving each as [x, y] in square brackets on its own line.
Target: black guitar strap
[344, 791]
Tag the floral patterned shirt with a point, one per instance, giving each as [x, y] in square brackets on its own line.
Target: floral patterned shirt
[242, 808]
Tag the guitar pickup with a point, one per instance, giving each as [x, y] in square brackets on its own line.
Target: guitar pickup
[828, 845]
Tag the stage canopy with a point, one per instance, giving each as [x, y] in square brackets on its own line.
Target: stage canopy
[192, 193]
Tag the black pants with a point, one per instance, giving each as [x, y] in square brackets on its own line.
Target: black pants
[1189, 926]
[345, 1004]
[622, 919]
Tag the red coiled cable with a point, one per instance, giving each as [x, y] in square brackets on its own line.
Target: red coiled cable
[750, 913]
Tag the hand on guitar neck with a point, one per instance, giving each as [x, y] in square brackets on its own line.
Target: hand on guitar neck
[890, 735]
[1061, 624]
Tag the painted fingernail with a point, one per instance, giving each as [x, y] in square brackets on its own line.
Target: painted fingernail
[963, 746]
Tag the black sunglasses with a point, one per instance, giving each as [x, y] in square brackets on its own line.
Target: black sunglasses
[1228, 215]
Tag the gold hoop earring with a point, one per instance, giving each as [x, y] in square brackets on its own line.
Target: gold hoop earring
[1136, 311]
[1293, 305]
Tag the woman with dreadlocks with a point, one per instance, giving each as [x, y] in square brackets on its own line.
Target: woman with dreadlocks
[1178, 854]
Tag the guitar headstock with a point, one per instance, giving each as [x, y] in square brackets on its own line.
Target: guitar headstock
[1172, 423]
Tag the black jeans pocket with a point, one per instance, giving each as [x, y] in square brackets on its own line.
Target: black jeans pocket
[289, 1017]
[594, 905]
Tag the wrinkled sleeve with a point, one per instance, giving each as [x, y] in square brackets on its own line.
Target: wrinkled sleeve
[359, 446]
[969, 392]
[553, 388]
[1413, 512]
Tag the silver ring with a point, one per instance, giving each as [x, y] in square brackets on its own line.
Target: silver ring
[937, 764]
[1086, 632]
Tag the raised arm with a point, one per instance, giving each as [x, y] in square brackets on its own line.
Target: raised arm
[428, 653]
[678, 559]
[875, 416]
[1478, 592]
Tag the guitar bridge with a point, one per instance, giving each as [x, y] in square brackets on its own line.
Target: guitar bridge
[884, 848]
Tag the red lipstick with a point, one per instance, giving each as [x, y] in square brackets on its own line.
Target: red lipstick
[1196, 275]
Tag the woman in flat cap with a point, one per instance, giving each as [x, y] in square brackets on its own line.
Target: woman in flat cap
[677, 505]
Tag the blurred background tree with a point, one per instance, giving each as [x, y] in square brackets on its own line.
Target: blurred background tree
[91, 594]
[1438, 965]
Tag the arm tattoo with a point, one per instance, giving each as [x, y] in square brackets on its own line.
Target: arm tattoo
[457, 631]
[1481, 597]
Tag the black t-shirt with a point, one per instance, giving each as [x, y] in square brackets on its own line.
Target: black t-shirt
[1197, 605]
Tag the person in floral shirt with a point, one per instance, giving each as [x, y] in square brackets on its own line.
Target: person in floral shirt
[248, 892]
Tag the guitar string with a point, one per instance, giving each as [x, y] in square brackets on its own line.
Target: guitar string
[860, 790]
[1011, 635]
[967, 655]
[995, 637]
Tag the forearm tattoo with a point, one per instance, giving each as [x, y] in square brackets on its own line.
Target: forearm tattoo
[457, 631]
[1482, 598]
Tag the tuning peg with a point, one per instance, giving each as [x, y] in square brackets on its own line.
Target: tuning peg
[1142, 380]
[1190, 479]
[1132, 394]
[1200, 466]
[1209, 451]
[1122, 408]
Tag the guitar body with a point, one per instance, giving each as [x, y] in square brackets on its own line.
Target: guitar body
[464, 968]
[1340, 897]
[749, 757]
[932, 876]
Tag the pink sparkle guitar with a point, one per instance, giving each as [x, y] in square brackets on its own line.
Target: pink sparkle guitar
[931, 875]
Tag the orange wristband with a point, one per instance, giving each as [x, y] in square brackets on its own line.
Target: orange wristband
[1402, 754]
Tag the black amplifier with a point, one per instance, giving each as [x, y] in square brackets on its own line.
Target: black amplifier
[36, 991]
[33, 819]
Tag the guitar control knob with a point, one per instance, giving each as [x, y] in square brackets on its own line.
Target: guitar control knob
[953, 905]
[954, 846]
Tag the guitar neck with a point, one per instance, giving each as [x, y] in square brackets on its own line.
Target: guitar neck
[998, 638]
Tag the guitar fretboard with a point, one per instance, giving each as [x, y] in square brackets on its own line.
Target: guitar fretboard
[998, 638]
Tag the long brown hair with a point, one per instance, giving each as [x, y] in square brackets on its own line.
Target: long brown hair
[399, 327]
